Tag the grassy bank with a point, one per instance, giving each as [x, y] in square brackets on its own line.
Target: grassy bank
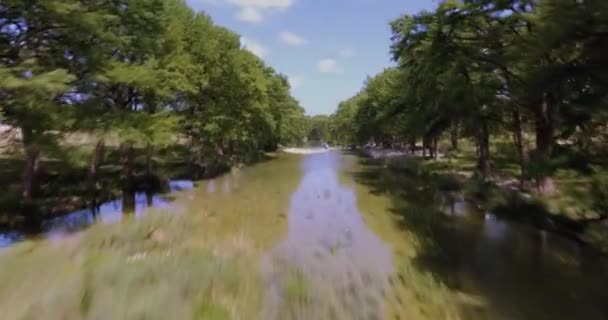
[410, 292]
[154, 269]
[455, 261]
[576, 209]
[65, 184]
[201, 260]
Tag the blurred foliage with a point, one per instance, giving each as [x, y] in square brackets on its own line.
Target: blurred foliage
[600, 193]
[143, 74]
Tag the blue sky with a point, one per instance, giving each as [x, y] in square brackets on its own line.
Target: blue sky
[326, 47]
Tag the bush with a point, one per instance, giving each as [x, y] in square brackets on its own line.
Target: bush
[446, 182]
[599, 192]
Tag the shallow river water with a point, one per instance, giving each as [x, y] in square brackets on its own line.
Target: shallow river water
[359, 252]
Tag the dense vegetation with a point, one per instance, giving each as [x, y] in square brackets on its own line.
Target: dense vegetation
[101, 99]
[135, 79]
[521, 80]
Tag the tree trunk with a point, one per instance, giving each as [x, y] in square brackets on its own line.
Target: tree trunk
[231, 147]
[197, 162]
[477, 154]
[545, 140]
[413, 146]
[128, 162]
[219, 148]
[98, 157]
[518, 140]
[454, 137]
[424, 146]
[435, 148]
[197, 156]
[545, 128]
[30, 175]
[585, 139]
[483, 137]
[149, 161]
[32, 165]
[149, 199]
[128, 200]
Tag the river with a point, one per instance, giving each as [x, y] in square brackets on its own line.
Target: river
[365, 248]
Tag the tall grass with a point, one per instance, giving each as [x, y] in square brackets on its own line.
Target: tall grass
[153, 269]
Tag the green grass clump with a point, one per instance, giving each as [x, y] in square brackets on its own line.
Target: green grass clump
[297, 288]
[153, 269]
[207, 311]
[599, 190]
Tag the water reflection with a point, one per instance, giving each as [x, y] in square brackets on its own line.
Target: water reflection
[501, 269]
[9, 238]
[228, 184]
[523, 272]
[517, 271]
[494, 229]
[330, 244]
[108, 212]
[211, 186]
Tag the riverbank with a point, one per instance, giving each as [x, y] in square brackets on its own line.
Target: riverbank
[492, 266]
[191, 260]
[323, 236]
[195, 259]
[157, 268]
[306, 151]
[241, 246]
[570, 211]
[65, 185]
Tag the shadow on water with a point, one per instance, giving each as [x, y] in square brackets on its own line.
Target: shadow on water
[107, 212]
[518, 272]
[110, 203]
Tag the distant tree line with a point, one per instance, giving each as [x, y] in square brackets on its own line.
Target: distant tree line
[532, 70]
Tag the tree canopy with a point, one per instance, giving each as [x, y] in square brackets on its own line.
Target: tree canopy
[144, 72]
[478, 68]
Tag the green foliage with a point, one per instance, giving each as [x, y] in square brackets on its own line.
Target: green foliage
[319, 128]
[141, 72]
[481, 67]
[369, 116]
[600, 194]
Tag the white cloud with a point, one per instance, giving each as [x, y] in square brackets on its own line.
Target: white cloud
[328, 66]
[347, 52]
[249, 10]
[255, 47]
[292, 39]
[296, 82]
[262, 3]
[250, 15]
